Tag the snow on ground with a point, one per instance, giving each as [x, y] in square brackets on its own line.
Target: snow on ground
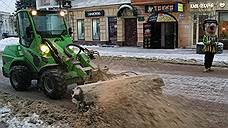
[31, 121]
[8, 41]
[184, 56]
[10, 120]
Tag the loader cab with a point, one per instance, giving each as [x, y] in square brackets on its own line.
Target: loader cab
[49, 24]
[35, 26]
[43, 24]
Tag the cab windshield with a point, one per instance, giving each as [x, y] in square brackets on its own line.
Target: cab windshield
[49, 24]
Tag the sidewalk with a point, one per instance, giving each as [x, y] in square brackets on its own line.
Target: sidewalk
[180, 56]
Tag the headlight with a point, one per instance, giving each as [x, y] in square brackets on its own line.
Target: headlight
[44, 49]
[62, 13]
[34, 12]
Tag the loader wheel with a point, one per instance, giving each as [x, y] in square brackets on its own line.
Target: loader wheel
[53, 83]
[20, 78]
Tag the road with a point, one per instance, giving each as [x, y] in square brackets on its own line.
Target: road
[204, 91]
[185, 80]
[207, 92]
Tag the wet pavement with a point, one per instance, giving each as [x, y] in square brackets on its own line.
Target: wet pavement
[187, 81]
[210, 89]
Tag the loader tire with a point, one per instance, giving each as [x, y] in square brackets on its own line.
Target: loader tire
[20, 77]
[53, 83]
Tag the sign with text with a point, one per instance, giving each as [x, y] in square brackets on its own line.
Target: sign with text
[94, 13]
[178, 7]
[159, 8]
[201, 5]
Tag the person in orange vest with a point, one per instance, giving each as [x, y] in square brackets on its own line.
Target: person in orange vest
[210, 41]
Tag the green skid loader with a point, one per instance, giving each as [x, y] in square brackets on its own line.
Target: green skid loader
[46, 53]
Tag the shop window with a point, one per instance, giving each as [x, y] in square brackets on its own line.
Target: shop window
[201, 27]
[223, 25]
[81, 29]
[96, 29]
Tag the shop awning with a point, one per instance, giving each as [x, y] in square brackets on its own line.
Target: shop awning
[126, 6]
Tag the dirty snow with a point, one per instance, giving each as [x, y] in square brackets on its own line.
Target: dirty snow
[8, 41]
[15, 121]
[10, 120]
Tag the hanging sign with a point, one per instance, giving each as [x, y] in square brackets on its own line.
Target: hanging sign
[153, 17]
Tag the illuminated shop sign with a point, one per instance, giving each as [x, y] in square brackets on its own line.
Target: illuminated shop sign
[178, 7]
[202, 5]
[207, 5]
[94, 13]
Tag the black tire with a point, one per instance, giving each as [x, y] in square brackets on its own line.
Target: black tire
[53, 83]
[20, 77]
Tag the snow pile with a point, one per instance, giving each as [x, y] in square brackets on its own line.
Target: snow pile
[8, 41]
[5, 113]
[91, 3]
[32, 121]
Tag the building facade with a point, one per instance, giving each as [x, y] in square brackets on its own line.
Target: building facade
[209, 9]
[112, 22]
[163, 23]
[47, 4]
[7, 26]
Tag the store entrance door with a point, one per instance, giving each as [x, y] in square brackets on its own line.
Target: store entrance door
[169, 33]
[163, 32]
[130, 32]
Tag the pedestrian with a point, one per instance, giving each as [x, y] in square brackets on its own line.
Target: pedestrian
[210, 43]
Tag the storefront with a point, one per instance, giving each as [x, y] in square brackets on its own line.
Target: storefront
[104, 23]
[163, 24]
[209, 9]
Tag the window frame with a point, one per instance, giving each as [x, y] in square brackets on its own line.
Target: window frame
[99, 33]
[81, 28]
[28, 44]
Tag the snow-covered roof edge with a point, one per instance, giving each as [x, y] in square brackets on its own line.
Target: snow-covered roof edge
[95, 3]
